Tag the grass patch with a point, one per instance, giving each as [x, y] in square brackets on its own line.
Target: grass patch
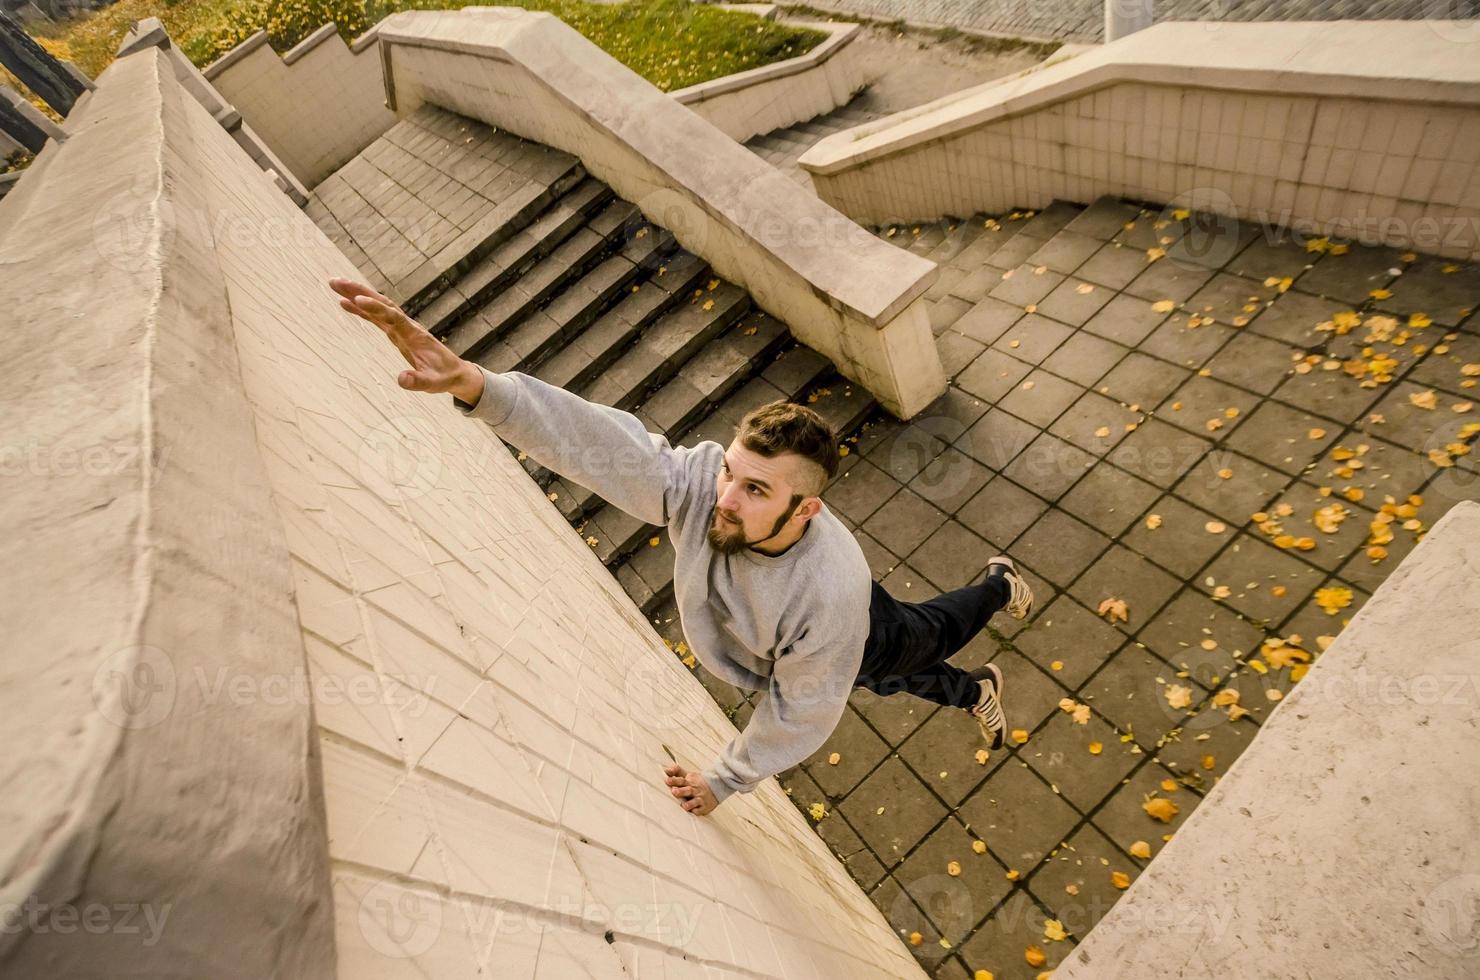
[671, 43]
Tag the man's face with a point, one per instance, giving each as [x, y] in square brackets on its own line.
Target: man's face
[754, 498]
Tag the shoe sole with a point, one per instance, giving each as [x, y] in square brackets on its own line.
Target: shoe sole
[998, 683]
[1027, 609]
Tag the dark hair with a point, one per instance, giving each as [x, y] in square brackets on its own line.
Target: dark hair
[787, 427]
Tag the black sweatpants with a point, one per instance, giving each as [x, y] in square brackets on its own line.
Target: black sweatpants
[909, 642]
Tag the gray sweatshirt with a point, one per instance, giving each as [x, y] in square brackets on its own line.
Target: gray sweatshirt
[793, 625]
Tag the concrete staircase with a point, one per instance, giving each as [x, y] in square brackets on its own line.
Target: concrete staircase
[783, 147]
[560, 279]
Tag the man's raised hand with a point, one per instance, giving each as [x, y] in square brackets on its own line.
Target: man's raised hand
[434, 367]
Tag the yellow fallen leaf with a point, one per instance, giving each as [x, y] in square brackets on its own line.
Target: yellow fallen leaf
[916, 939]
[1178, 695]
[1034, 956]
[1333, 599]
[979, 846]
[1215, 527]
[1209, 644]
[1152, 254]
[1103, 432]
[954, 869]
[1056, 665]
[1426, 400]
[1031, 308]
[1160, 808]
[1208, 762]
[1153, 521]
[982, 755]
[1013, 874]
[1114, 610]
[1095, 748]
[1419, 320]
[1225, 474]
[834, 759]
[1141, 849]
[1381, 294]
[817, 810]
[1084, 289]
[1053, 931]
[1169, 785]
[1163, 306]
[1020, 735]
[653, 541]
[983, 975]
[1226, 697]
[1120, 880]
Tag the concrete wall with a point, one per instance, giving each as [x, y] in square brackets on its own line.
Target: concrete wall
[342, 576]
[1342, 842]
[774, 96]
[316, 106]
[843, 292]
[1359, 130]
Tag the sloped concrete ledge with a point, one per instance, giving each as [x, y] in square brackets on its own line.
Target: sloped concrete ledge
[774, 96]
[155, 822]
[1253, 120]
[853, 298]
[1342, 842]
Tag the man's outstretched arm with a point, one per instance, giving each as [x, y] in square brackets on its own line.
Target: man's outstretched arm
[600, 447]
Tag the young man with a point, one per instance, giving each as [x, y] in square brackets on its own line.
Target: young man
[773, 592]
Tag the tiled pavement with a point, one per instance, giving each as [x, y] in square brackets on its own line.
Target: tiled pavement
[1092, 388]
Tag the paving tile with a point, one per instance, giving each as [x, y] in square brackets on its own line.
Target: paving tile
[951, 479]
[1351, 277]
[910, 811]
[1293, 317]
[1048, 466]
[1074, 301]
[1272, 255]
[906, 918]
[1423, 429]
[988, 318]
[956, 351]
[1446, 296]
[1169, 280]
[1024, 285]
[1129, 691]
[894, 717]
[1095, 423]
[1029, 696]
[1212, 735]
[1253, 571]
[1254, 362]
[1180, 542]
[947, 743]
[1104, 219]
[1158, 452]
[991, 375]
[1282, 437]
[1033, 338]
[904, 521]
[1065, 251]
[1051, 219]
[1444, 369]
[1125, 320]
[954, 903]
[859, 751]
[1060, 546]
[1068, 634]
[998, 945]
[1230, 299]
[1122, 574]
[976, 282]
[1084, 358]
[996, 438]
[946, 311]
[1333, 545]
[845, 843]
[904, 452]
[1109, 499]
[1207, 407]
[1188, 346]
[1061, 754]
[1019, 817]
[1231, 486]
[1331, 394]
[1113, 266]
[861, 491]
[1180, 634]
[1040, 398]
[881, 561]
[1001, 511]
[1085, 862]
[1123, 820]
[952, 556]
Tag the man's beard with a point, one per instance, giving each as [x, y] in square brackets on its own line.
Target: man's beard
[730, 544]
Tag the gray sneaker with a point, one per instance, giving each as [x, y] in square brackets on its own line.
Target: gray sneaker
[1020, 594]
[988, 709]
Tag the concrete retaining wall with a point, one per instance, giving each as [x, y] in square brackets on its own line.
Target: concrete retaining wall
[1367, 131]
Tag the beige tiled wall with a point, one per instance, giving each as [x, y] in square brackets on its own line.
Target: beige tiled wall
[492, 710]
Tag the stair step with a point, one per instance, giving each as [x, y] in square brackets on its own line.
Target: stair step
[525, 294]
[526, 244]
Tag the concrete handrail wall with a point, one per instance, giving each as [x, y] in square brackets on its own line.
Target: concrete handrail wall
[1367, 130]
[150, 577]
[853, 298]
[323, 101]
[784, 93]
[1342, 841]
[317, 105]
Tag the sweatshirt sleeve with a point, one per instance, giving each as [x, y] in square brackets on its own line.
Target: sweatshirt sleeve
[803, 703]
[604, 449]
